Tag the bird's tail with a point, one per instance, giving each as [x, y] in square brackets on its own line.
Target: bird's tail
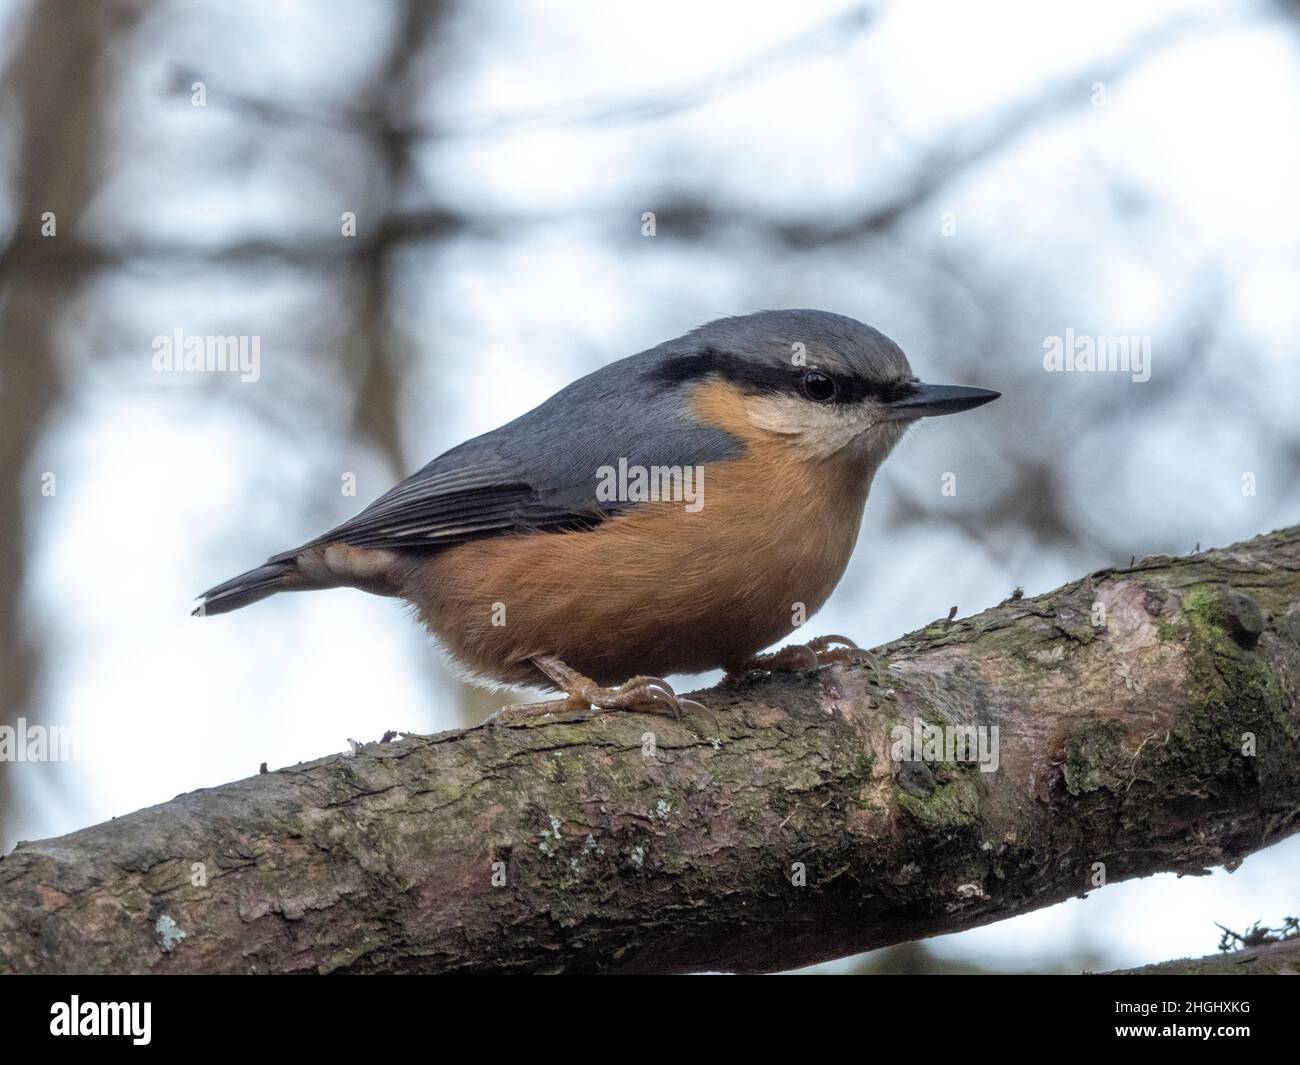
[248, 588]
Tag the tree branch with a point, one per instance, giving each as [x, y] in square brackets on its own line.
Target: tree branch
[1147, 720]
[1268, 959]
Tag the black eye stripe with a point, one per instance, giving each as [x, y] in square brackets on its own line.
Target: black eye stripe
[855, 390]
[771, 378]
[891, 392]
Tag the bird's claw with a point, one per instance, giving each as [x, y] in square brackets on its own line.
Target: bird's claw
[798, 657]
[847, 652]
[648, 694]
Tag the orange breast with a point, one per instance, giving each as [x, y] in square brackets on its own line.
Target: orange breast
[658, 589]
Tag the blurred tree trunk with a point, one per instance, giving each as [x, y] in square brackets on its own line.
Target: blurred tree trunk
[373, 345]
[56, 81]
[1147, 720]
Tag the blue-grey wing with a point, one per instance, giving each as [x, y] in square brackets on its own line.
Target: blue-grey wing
[542, 471]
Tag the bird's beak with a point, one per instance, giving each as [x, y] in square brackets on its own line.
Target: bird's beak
[925, 401]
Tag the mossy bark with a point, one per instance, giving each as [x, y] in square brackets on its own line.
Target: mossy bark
[1147, 720]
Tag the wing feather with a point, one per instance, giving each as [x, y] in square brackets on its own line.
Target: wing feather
[539, 473]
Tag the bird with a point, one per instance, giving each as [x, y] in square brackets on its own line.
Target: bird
[673, 512]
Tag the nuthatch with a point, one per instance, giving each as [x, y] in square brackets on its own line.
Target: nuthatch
[674, 512]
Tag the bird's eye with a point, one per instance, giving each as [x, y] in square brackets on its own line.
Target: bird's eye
[818, 386]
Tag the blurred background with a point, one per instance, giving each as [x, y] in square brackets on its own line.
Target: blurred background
[431, 216]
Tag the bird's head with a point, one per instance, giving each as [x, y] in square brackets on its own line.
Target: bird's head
[827, 384]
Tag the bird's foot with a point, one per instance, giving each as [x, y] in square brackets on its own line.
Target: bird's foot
[797, 657]
[648, 694]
